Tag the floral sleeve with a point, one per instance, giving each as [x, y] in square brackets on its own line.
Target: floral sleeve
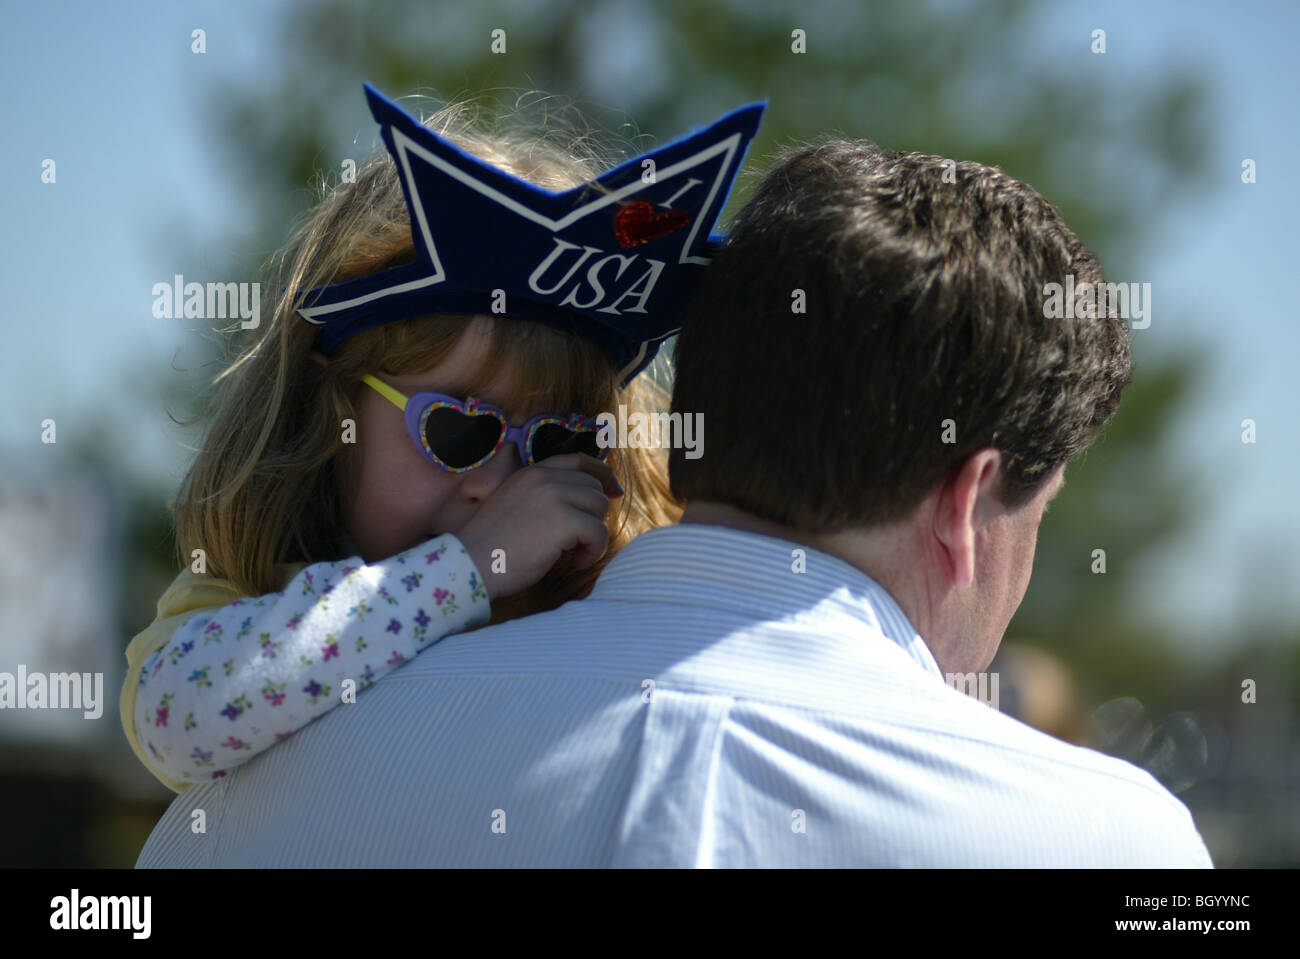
[234, 681]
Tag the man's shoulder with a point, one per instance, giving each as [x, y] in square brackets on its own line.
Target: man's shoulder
[970, 719]
[571, 639]
[1094, 791]
[885, 747]
[920, 712]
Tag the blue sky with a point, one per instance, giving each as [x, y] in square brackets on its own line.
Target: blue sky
[113, 94]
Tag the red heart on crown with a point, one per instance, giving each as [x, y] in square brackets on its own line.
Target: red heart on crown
[638, 223]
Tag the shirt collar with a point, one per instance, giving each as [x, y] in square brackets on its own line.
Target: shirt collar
[759, 577]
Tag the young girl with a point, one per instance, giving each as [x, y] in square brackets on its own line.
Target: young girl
[366, 486]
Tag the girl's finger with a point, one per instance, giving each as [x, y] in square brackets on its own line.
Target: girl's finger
[589, 465]
[593, 537]
[588, 500]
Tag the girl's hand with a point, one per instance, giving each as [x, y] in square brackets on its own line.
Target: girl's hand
[536, 515]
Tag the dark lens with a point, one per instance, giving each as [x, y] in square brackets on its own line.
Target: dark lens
[460, 440]
[552, 439]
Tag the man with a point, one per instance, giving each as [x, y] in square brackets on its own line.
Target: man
[889, 413]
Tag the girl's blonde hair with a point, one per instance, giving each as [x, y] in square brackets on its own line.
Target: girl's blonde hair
[268, 484]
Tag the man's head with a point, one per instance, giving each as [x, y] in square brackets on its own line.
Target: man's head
[870, 350]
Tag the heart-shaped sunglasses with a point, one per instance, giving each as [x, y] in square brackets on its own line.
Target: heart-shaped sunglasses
[458, 435]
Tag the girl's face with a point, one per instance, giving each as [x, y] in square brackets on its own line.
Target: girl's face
[398, 499]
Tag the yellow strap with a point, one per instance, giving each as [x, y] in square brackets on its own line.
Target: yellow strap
[386, 391]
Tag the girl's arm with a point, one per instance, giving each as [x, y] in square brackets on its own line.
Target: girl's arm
[237, 679]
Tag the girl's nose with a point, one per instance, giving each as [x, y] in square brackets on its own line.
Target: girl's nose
[478, 484]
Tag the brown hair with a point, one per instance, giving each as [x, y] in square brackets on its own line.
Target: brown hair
[924, 286]
[267, 485]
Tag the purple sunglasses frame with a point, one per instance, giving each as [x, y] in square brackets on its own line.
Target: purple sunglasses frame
[417, 408]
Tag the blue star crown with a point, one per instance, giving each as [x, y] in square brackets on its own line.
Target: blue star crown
[615, 260]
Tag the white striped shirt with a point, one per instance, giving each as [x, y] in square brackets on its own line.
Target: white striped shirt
[707, 705]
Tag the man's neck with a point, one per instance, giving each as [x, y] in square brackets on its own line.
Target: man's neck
[720, 514]
[874, 553]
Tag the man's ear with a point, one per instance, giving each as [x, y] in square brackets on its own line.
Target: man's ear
[965, 503]
[319, 357]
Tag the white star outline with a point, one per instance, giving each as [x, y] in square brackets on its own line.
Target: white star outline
[404, 146]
